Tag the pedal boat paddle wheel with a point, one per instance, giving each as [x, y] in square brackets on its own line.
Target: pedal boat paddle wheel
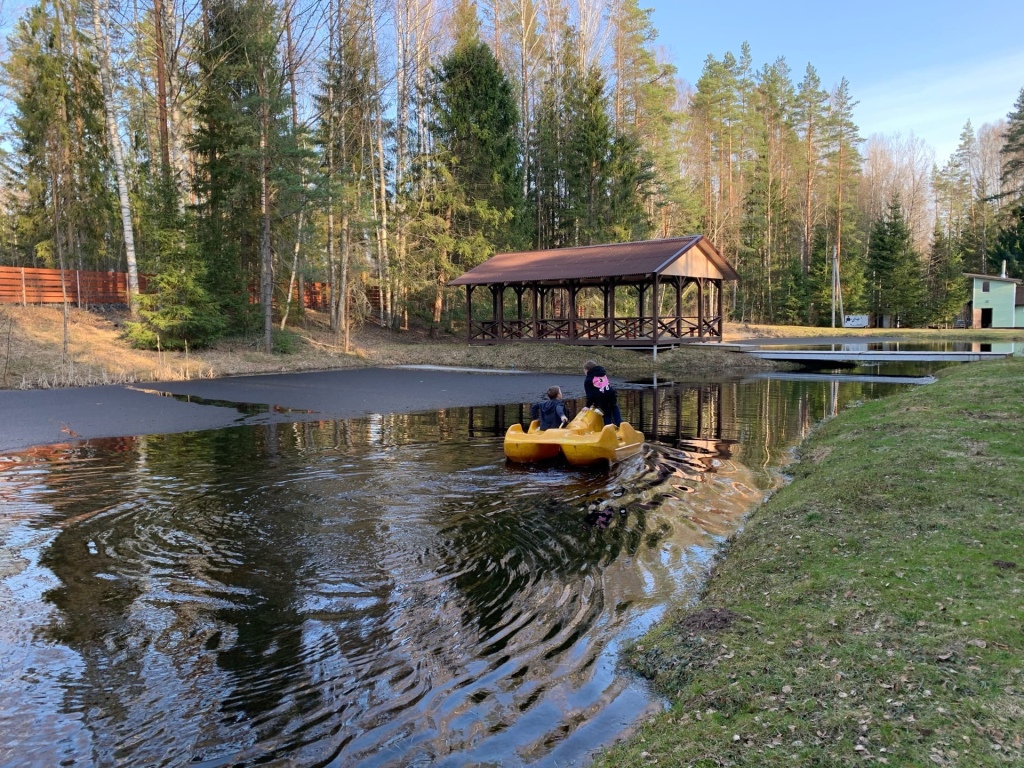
[584, 440]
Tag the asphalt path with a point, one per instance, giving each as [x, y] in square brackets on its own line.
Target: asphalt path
[47, 416]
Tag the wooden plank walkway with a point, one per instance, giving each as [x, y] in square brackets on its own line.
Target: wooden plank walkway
[841, 377]
[855, 357]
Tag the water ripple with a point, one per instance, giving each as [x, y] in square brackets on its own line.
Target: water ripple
[373, 592]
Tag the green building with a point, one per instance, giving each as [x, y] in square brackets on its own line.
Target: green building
[996, 302]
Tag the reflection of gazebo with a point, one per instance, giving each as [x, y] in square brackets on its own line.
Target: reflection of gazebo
[671, 291]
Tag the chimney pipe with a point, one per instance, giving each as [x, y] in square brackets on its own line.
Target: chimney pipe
[1003, 273]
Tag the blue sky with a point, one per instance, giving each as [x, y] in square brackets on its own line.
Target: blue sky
[915, 67]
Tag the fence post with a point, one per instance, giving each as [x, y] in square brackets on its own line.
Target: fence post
[24, 295]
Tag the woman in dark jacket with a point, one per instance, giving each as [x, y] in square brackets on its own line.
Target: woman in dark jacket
[600, 393]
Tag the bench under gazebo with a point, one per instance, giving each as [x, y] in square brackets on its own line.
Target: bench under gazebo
[645, 295]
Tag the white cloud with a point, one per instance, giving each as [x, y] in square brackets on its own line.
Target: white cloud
[935, 103]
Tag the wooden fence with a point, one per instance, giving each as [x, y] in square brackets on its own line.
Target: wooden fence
[30, 285]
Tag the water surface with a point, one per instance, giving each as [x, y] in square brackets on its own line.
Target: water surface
[385, 591]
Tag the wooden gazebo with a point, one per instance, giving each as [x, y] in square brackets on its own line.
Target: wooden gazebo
[643, 295]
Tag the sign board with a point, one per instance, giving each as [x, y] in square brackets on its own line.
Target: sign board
[855, 321]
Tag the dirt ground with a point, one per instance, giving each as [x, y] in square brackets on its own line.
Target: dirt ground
[32, 352]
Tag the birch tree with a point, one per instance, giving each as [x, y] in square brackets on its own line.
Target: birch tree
[113, 134]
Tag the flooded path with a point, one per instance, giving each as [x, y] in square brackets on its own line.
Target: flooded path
[375, 591]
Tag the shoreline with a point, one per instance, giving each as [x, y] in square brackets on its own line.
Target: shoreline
[872, 609]
[52, 416]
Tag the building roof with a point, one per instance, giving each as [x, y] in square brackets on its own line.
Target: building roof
[594, 262]
[999, 278]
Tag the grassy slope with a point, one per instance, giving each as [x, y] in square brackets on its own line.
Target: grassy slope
[872, 610]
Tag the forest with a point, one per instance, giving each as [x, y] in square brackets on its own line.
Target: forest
[234, 151]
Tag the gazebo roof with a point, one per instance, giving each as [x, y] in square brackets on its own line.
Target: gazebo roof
[594, 262]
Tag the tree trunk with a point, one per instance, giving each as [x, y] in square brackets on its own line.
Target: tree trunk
[343, 294]
[266, 252]
[119, 170]
[809, 175]
[291, 64]
[161, 87]
[381, 188]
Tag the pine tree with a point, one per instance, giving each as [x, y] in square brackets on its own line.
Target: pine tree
[842, 138]
[768, 214]
[644, 107]
[348, 107]
[1013, 151]
[810, 113]
[59, 150]
[1009, 244]
[723, 121]
[593, 184]
[177, 311]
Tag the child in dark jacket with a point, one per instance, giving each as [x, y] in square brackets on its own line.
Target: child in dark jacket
[600, 393]
[550, 412]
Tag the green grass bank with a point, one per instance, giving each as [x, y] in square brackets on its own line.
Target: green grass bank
[871, 612]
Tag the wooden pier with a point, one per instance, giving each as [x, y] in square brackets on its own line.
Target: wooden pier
[815, 357]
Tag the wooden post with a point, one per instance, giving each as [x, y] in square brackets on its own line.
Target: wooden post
[718, 285]
[641, 290]
[519, 309]
[469, 314]
[611, 310]
[679, 307]
[700, 307]
[655, 314]
[536, 311]
[572, 311]
[24, 294]
[499, 308]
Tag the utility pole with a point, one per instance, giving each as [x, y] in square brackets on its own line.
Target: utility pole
[837, 288]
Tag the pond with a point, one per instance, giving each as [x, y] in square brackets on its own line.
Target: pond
[382, 591]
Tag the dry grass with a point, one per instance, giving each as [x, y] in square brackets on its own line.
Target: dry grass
[31, 351]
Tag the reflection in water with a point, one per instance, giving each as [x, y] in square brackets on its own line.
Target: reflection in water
[380, 591]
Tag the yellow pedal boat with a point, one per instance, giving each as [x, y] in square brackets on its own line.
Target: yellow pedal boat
[584, 440]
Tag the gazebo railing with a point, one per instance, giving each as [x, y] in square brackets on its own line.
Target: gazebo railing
[554, 329]
[593, 329]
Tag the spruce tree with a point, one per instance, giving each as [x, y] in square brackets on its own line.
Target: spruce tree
[471, 181]
[476, 128]
[948, 289]
[246, 155]
[894, 270]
